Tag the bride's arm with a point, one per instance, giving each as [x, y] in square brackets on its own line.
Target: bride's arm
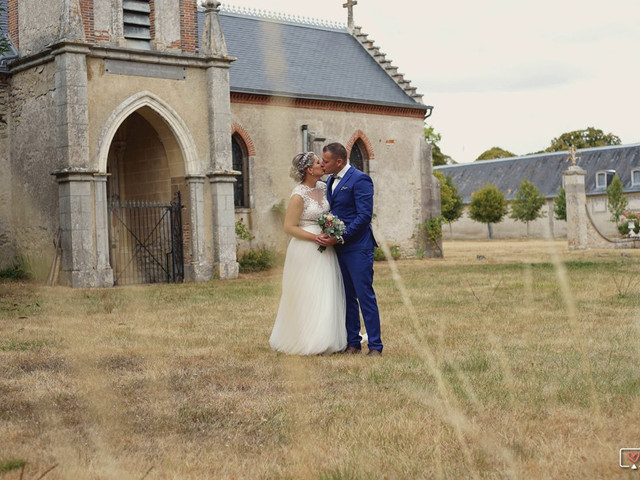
[292, 218]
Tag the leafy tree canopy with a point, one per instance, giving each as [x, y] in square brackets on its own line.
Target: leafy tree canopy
[495, 152]
[488, 205]
[528, 202]
[437, 156]
[451, 206]
[617, 202]
[589, 137]
[560, 205]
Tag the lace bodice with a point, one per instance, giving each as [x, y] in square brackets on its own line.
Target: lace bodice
[315, 202]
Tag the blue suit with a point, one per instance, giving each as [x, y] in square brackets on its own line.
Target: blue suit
[352, 202]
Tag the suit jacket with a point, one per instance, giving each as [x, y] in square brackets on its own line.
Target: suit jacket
[352, 202]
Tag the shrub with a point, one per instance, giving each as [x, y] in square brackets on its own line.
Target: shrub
[378, 254]
[628, 221]
[243, 232]
[433, 231]
[623, 228]
[19, 270]
[256, 260]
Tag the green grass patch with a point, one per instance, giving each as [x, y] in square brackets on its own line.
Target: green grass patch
[13, 346]
[8, 465]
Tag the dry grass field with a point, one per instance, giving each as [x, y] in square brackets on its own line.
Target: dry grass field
[506, 359]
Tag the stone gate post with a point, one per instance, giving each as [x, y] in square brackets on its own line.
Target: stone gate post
[577, 221]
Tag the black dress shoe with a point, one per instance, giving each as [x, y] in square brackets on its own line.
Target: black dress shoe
[374, 353]
[351, 351]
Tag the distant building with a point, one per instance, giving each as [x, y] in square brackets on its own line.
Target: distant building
[545, 171]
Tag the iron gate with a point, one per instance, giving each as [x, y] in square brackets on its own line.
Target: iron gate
[146, 242]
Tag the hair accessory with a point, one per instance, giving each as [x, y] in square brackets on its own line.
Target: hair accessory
[299, 165]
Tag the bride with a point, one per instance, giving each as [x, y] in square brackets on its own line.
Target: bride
[311, 316]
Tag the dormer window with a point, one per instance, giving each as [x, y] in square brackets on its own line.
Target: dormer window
[604, 177]
[635, 177]
[137, 23]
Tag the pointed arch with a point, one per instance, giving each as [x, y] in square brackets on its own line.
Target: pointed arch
[237, 129]
[242, 151]
[360, 135]
[170, 118]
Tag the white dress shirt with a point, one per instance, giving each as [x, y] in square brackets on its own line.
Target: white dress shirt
[338, 176]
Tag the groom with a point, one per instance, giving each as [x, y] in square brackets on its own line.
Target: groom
[350, 195]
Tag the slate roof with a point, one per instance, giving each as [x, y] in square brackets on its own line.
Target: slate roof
[4, 32]
[545, 171]
[276, 57]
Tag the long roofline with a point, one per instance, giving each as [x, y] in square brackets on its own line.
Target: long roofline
[278, 17]
[533, 155]
[417, 106]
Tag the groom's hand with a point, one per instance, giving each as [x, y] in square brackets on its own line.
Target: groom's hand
[326, 240]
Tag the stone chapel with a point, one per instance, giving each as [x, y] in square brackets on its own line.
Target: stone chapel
[134, 134]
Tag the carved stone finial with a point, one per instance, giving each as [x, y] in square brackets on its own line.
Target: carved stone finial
[213, 42]
[71, 27]
[349, 6]
[211, 5]
[573, 156]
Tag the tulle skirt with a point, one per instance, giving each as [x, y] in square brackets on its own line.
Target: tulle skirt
[311, 316]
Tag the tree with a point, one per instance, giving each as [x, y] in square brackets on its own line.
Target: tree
[527, 204]
[437, 156]
[495, 152]
[589, 137]
[488, 205]
[451, 206]
[616, 199]
[560, 205]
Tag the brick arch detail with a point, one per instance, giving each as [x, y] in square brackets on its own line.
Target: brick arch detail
[360, 135]
[237, 129]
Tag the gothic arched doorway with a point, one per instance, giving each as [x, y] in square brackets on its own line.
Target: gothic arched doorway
[144, 186]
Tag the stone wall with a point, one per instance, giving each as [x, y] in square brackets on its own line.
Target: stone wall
[186, 98]
[38, 24]
[145, 167]
[34, 195]
[7, 244]
[396, 152]
[467, 229]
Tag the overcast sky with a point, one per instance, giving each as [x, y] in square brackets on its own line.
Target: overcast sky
[507, 73]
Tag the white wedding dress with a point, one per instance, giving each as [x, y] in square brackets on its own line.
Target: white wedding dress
[311, 316]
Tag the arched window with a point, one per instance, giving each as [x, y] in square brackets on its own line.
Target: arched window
[241, 164]
[358, 157]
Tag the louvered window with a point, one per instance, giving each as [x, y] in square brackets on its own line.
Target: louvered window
[137, 23]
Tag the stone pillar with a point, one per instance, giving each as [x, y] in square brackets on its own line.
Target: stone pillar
[117, 24]
[104, 272]
[577, 221]
[221, 177]
[219, 119]
[225, 265]
[83, 228]
[71, 97]
[200, 269]
[430, 204]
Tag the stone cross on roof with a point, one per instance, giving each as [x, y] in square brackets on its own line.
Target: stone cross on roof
[349, 6]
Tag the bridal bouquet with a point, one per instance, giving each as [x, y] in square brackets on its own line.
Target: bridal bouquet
[331, 225]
